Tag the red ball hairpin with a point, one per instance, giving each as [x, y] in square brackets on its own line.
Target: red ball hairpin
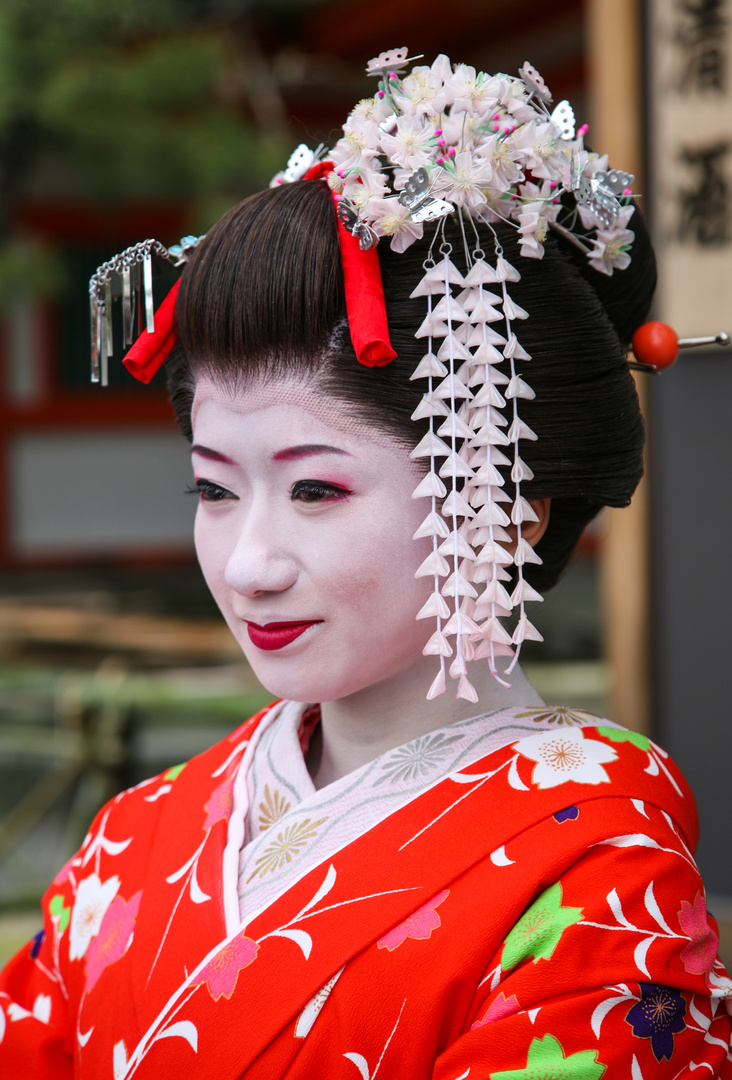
[656, 346]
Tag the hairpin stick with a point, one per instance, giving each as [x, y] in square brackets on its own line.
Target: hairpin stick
[656, 346]
[570, 236]
[722, 339]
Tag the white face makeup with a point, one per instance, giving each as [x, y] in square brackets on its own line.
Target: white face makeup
[304, 535]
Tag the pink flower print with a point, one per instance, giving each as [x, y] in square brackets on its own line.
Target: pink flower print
[113, 939]
[699, 955]
[218, 807]
[220, 974]
[498, 1008]
[419, 924]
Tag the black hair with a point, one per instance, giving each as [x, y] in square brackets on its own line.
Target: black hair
[263, 295]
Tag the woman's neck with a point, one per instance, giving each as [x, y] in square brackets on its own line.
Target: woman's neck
[364, 725]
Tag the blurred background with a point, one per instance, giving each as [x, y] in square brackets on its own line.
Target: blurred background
[150, 119]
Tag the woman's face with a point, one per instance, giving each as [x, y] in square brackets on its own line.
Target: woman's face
[304, 535]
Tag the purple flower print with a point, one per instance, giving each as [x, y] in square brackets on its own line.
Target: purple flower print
[658, 1016]
[37, 942]
[570, 813]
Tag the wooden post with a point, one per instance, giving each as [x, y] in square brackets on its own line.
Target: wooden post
[614, 52]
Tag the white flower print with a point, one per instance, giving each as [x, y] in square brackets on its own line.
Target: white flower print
[93, 897]
[417, 759]
[566, 755]
[42, 1008]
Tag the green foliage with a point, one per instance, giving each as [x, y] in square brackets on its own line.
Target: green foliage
[28, 266]
[143, 100]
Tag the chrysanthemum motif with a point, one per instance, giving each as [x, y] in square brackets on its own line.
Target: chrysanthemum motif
[272, 807]
[417, 759]
[556, 714]
[287, 846]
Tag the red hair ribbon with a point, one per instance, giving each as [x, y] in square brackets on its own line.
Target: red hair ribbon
[150, 351]
[364, 306]
[364, 291]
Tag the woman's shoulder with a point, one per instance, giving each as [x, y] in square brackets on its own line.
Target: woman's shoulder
[592, 758]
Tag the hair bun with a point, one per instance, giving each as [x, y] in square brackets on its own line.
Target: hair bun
[627, 294]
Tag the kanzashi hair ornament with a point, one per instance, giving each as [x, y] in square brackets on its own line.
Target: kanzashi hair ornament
[656, 346]
[129, 276]
[435, 144]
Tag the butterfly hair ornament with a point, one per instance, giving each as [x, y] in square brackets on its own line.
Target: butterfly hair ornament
[442, 143]
[438, 143]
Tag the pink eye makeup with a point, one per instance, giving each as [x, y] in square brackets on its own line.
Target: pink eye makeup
[319, 491]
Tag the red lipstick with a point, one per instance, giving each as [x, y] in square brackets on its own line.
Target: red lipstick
[276, 635]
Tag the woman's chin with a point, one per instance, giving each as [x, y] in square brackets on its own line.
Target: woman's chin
[305, 682]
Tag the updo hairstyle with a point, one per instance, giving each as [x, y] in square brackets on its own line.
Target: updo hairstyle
[262, 296]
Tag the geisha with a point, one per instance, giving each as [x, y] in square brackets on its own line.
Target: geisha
[403, 372]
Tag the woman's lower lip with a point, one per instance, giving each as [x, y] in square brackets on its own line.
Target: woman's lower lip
[276, 635]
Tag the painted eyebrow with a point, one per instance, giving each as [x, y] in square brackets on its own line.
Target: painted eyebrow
[212, 455]
[294, 453]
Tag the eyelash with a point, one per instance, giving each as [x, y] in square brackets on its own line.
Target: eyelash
[208, 491]
[306, 491]
[319, 489]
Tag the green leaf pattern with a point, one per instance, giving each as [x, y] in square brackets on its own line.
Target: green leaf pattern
[540, 928]
[546, 1061]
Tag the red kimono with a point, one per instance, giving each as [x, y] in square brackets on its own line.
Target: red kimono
[537, 914]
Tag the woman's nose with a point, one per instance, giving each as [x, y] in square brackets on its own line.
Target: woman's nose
[260, 562]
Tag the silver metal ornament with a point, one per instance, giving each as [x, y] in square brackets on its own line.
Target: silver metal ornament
[349, 216]
[417, 198]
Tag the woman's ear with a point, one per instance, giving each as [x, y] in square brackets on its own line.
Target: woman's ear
[532, 531]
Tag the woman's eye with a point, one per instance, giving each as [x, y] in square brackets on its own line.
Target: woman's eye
[315, 491]
[209, 491]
